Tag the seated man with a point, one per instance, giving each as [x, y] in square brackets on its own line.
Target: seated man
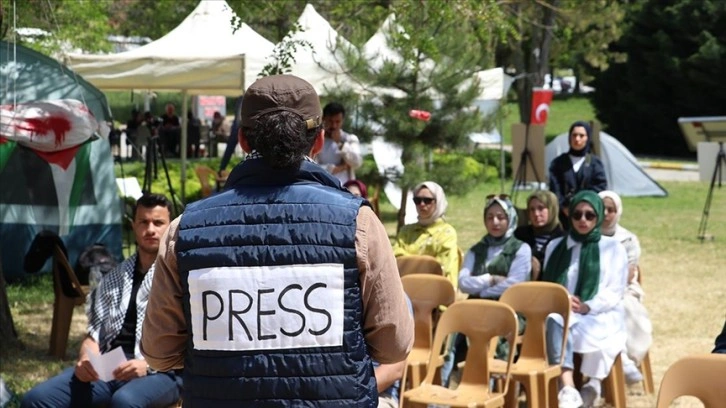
[116, 310]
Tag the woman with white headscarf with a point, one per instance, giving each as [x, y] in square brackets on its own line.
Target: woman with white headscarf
[638, 325]
[499, 260]
[431, 235]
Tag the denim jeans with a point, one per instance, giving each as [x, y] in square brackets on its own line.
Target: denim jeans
[65, 390]
[553, 335]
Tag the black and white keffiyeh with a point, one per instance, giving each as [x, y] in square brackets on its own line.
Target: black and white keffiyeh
[107, 304]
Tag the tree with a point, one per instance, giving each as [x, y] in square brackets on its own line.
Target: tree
[675, 68]
[68, 24]
[437, 56]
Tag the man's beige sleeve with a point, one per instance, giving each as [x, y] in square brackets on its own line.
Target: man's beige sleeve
[164, 335]
[388, 324]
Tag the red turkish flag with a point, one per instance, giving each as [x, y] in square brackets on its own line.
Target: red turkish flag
[541, 101]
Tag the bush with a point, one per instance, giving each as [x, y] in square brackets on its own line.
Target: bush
[458, 173]
[493, 158]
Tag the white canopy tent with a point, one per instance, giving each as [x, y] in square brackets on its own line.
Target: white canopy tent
[203, 55]
[324, 66]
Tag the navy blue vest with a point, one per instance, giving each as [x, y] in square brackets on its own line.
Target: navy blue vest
[273, 218]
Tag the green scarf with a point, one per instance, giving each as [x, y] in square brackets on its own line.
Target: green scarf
[588, 278]
[501, 263]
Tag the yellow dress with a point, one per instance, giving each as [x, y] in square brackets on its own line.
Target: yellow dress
[437, 240]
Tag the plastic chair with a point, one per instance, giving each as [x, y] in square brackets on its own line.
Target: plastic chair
[408, 264]
[645, 368]
[69, 293]
[480, 321]
[204, 173]
[427, 293]
[613, 386]
[699, 376]
[535, 301]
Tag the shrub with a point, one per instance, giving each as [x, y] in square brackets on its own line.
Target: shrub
[492, 158]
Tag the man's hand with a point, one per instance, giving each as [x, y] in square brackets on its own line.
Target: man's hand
[579, 306]
[129, 370]
[84, 370]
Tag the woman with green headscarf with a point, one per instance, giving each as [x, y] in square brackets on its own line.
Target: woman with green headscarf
[544, 226]
[594, 269]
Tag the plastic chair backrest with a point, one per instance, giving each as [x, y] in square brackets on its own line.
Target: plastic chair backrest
[479, 320]
[699, 376]
[408, 264]
[204, 173]
[427, 293]
[535, 301]
[65, 279]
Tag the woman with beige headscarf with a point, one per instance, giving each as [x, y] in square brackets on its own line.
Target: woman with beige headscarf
[544, 226]
[431, 235]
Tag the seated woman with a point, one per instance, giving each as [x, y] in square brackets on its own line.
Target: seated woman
[499, 260]
[544, 226]
[640, 328]
[492, 265]
[576, 170]
[431, 235]
[594, 270]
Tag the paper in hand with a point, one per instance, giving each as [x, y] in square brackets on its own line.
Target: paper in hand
[104, 364]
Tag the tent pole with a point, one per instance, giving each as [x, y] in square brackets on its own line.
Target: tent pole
[183, 147]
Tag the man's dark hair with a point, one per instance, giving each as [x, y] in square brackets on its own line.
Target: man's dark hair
[150, 200]
[282, 139]
[333, 108]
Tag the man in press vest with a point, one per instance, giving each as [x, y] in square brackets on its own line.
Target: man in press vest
[282, 289]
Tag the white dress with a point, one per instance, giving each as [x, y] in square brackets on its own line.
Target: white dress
[600, 334]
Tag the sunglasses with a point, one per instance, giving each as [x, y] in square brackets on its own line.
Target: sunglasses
[499, 196]
[425, 200]
[589, 215]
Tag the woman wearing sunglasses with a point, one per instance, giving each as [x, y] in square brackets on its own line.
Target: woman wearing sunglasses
[594, 269]
[544, 226]
[431, 235]
[639, 326]
[576, 170]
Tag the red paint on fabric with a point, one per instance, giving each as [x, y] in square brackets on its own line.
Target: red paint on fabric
[60, 125]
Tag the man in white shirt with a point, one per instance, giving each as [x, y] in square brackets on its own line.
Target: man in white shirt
[341, 152]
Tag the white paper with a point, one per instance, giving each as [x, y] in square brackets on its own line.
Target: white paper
[104, 364]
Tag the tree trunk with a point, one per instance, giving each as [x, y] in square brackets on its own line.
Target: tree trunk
[8, 335]
[402, 210]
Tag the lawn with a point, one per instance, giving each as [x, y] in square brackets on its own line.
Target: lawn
[682, 278]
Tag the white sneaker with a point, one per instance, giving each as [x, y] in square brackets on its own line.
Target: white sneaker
[569, 397]
[589, 395]
[633, 376]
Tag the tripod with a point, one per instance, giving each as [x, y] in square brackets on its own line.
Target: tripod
[520, 176]
[153, 153]
[717, 172]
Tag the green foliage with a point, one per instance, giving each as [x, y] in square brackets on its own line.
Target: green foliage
[493, 158]
[675, 68]
[459, 173]
[60, 19]
[283, 55]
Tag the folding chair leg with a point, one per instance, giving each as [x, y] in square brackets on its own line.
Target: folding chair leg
[62, 315]
[647, 372]
[614, 385]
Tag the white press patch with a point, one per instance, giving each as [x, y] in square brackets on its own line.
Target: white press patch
[267, 307]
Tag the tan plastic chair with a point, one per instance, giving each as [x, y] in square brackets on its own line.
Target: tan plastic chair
[535, 301]
[645, 368]
[699, 376]
[204, 173]
[480, 321]
[69, 293]
[427, 293]
[409, 264]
